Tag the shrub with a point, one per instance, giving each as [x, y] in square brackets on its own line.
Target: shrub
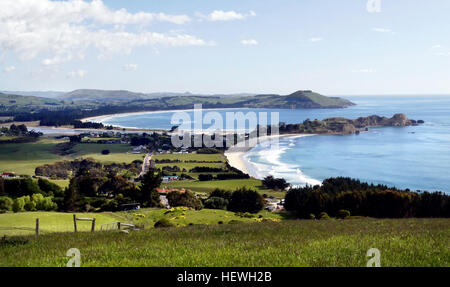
[205, 177]
[163, 223]
[220, 222]
[186, 199]
[343, 214]
[50, 188]
[312, 216]
[105, 152]
[275, 183]
[324, 216]
[18, 205]
[30, 205]
[208, 151]
[6, 203]
[216, 203]
[246, 200]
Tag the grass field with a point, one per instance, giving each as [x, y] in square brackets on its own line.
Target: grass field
[209, 186]
[50, 222]
[212, 161]
[186, 217]
[403, 242]
[118, 153]
[23, 158]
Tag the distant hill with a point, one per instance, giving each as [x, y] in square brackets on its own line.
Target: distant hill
[101, 95]
[297, 100]
[42, 94]
[18, 100]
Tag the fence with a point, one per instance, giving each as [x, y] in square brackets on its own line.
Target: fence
[115, 226]
[31, 229]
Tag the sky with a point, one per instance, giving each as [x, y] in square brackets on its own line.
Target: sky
[351, 47]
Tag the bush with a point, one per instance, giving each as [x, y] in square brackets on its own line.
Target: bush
[50, 188]
[163, 223]
[216, 203]
[186, 199]
[343, 214]
[312, 216]
[18, 205]
[246, 200]
[208, 151]
[324, 216]
[6, 203]
[275, 183]
[205, 177]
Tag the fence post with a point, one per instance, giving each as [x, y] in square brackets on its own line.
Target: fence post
[75, 222]
[37, 226]
[118, 225]
[93, 225]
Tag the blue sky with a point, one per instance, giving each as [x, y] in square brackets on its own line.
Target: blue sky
[332, 47]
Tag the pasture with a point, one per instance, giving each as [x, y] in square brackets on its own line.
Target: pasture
[23, 158]
[308, 243]
[50, 222]
[233, 184]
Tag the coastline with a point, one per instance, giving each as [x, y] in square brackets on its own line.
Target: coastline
[235, 154]
[102, 117]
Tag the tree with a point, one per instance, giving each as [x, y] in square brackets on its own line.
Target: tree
[246, 200]
[216, 203]
[149, 182]
[186, 199]
[50, 188]
[6, 203]
[275, 183]
[18, 205]
[71, 198]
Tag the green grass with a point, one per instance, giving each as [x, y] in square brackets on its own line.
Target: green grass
[118, 153]
[25, 157]
[50, 222]
[209, 186]
[407, 242]
[185, 217]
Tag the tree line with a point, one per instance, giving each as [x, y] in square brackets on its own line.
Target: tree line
[363, 199]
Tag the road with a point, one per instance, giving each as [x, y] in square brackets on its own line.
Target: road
[146, 164]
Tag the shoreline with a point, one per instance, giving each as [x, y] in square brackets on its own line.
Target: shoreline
[235, 154]
[97, 118]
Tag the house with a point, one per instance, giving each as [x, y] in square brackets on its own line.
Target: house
[8, 175]
[169, 178]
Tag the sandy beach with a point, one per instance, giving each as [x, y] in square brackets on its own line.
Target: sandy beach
[235, 154]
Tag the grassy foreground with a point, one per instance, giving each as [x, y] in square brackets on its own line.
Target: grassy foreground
[407, 242]
[50, 222]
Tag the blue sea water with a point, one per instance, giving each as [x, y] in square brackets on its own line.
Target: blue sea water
[406, 157]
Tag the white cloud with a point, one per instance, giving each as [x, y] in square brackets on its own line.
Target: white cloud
[77, 74]
[316, 39]
[249, 42]
[130, 67]
[9, 69]
[382, 30]
[219, 15]
[64, 30]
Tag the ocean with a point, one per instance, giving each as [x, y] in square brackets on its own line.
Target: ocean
[416, 157]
